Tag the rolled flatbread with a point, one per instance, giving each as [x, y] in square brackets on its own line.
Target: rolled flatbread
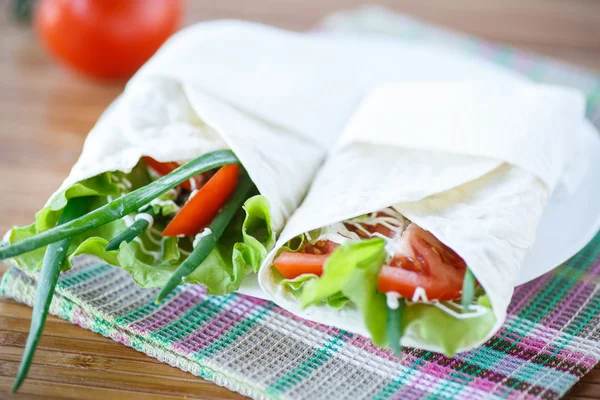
[473, 164]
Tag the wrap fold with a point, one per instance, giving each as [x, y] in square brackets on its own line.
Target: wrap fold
[281, 100]
[278, 99]
[472, 163]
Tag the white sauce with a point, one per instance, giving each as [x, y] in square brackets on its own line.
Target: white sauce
[126, 182]
[154, 254]
[192, 194]
[420, 295]
[339, 233]
[123, 183]
[163, 203]
[199, 236]
[150, 232]
[146, 217]
[392, 300]
[129, 220]
[455, 309]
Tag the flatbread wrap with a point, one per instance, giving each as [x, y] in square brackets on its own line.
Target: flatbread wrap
[430, 199]
[278, 100]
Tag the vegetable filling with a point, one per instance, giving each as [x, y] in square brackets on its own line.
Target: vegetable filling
[410, 265]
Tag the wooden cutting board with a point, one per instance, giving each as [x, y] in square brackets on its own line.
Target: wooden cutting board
[46, 112]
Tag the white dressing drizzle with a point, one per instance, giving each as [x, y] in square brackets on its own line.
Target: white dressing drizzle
[199, 236]
[122, 183]
[420, 295]
[392, 300]
[193, 185]
[129, 220]
[150, 235]
[339, 232]
[154, 254]
[453, 308]
[163, 203]
[192, 194]
[146, 217]
[126, 182]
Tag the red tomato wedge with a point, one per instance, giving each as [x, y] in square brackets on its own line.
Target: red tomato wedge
[421, 260]
[309, 260]
[201, 209]
[291, 265]
[164, 168]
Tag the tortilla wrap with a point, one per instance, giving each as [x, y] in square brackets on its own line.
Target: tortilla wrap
[472, 163]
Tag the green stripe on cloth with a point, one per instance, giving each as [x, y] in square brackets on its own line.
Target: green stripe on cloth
[589, 253]
[314, 361]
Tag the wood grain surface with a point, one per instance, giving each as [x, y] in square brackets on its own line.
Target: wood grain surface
[46, 112]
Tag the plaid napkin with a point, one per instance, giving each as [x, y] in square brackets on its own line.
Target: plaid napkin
[550, 340]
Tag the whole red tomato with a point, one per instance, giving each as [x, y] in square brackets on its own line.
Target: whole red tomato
[106, 38]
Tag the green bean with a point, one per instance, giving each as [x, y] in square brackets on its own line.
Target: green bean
[468, 290]
[136, 229]
[208, 242]
[123, 205]
[394, 327]
[54, 259]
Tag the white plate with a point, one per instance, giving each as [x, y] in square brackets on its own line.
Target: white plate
[569, 222]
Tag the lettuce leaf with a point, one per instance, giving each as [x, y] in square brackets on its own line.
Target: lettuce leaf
[436, 327]
[352, 271]
[296, 285]
[150, 258]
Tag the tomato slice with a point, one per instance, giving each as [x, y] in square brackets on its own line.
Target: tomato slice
[164, 168]
[291, 265]
[421, 260]
[309, 260]
[201, 209]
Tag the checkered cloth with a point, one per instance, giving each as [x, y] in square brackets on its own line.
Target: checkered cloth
[551, 337]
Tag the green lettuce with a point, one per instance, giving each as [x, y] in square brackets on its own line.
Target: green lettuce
[443, 330]
[151, 259]
[352, 271]
[296, 285]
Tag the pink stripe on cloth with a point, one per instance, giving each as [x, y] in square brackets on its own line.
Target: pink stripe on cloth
[530, 287]
[546, 335]
[558, 311]
[212, 329]
[170, 311]
[428, 368]
[366, 344]
[539, 346]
